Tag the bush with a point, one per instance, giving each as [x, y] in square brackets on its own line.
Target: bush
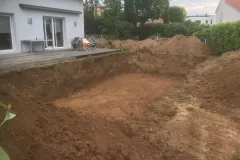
[169, 30]
[174, 29]
[223, 37]
[157, 29]
[226, 37]
[123, 29]
[204, 33]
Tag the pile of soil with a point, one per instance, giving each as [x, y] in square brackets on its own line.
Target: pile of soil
[219, 79]
[129, 45]
[136, 46]
[103, 43]
[183, 45]
[177, 45]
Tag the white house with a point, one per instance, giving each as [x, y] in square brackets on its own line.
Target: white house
[228, 11]
[49, 24]
[203, 19]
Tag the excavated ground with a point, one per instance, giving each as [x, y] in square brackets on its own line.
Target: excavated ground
[145, 106]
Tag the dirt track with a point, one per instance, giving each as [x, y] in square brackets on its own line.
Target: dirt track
[144, 106]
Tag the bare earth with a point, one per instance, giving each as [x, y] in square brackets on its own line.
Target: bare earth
[118, 97]
[201, 134]
[168, 101]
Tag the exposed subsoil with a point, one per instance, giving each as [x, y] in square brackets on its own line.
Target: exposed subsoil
[153, 105]
[127, 95]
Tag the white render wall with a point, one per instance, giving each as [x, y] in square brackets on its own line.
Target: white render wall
[230, 14]
[24, 31]
[203, 19]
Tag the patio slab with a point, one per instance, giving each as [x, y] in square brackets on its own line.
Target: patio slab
[28, 60]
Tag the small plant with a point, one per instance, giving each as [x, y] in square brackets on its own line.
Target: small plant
[8, 116]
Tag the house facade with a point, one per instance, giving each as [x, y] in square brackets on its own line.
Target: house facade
[55, 22]
[203, 19]
[228, 11]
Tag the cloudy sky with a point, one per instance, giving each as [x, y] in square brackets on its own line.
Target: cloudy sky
[195, 7]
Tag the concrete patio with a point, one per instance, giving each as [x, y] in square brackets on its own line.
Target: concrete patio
[28, 60]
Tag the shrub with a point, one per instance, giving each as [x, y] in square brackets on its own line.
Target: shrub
[224, 37]
[123, 29]
[158, 29]
[204, 33]
[175, 28]
[186, 28]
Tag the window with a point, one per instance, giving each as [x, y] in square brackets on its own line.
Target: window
[221, 17]
[211, 21]
[53, 32]
[5, 33]
[206, 21]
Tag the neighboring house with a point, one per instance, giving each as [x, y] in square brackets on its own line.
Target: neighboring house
[55, 21]
[228, 11]
[203, 19]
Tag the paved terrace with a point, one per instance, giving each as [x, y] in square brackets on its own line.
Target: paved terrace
[28, 60]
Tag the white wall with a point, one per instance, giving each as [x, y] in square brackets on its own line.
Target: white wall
[25, 31]
[227, 13]
[203, 19]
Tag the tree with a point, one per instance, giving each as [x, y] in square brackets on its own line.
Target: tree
[167, 12]
[142, 10]
[113, 8]
[129, 11]
[177, 14]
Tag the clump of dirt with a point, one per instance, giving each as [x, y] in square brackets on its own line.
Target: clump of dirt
[219, 79]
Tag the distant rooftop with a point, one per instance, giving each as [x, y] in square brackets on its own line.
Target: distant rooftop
[234, 3]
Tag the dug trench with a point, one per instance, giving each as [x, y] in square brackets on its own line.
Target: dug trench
[143, 106]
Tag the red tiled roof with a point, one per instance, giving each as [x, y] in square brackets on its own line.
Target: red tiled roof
[234, 3]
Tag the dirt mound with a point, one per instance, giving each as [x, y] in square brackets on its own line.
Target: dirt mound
[129, 45]
[103, 43]
[182, 45]
[136, 46]
[220, 79]
[177, 45]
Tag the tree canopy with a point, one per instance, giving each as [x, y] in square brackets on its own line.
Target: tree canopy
[177, 14]
[142, 10]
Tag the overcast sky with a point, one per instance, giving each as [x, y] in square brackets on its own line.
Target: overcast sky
[195, 7]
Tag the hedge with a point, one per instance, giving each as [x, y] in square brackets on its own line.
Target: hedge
[169, 30]
[223, 37]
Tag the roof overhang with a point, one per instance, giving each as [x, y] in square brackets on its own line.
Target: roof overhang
[43, 8]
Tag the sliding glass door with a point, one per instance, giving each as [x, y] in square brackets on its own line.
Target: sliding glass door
[5, 33]
[53, 32]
